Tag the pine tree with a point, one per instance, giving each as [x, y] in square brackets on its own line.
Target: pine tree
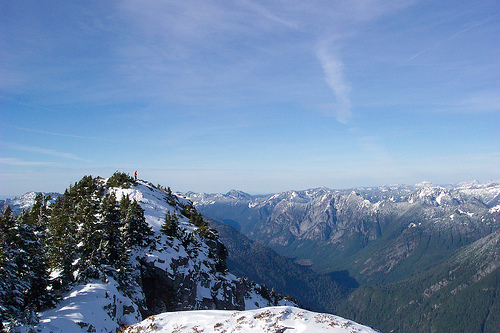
[88, 240]
[27, 260]
[170, 225]
[135, 230]
[62, 240]
[36, 231]
[110, 224]
[127, 221]
[12, 288]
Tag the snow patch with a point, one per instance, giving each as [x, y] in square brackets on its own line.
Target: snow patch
[495, 209]
[94, 307]
[271, 319]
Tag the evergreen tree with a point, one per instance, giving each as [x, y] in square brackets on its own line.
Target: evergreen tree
[62, 240]
[12, 288]
[127, 228]
[35, 229]
[110, 225]
[23, 269]
[27, 260]
[170, 225]
[88, 240]
[120, 179]
[135, 230]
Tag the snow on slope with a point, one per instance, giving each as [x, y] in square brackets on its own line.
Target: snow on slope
[93, 307]
[153, 201]
[271, 319]
[99, 306]
[26, 201]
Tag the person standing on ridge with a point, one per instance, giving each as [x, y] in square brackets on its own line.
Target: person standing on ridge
[135, 174]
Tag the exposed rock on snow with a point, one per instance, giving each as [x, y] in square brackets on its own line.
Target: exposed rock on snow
[176, 273]
[271, 319]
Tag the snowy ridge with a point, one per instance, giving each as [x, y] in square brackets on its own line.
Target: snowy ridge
[153, 201]
[488, 192]
[174, 274]
[271, 319]
[94, 307]
[26, 201]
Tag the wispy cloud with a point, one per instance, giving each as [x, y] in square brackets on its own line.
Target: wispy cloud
[17, 162]
[333, 68]
[269, 15]
[44, 151]
[51, 133]
[448, 38]
[480, 101]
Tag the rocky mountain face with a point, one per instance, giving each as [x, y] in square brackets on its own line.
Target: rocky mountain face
[26, 201]
[379, 234]
[458, 294]
[315, 291]
[184, 269]
[426, 257]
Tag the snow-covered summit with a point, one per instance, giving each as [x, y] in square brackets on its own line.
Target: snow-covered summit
[185, 270]
[271, 319]
[25, 201]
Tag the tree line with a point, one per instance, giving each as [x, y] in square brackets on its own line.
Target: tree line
[83, 234]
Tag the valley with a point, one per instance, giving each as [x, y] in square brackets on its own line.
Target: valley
[390, 242]
[420, 258]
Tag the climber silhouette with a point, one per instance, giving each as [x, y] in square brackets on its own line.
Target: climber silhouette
[135, 174]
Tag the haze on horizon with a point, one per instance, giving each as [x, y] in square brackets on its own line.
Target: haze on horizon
[208, 96]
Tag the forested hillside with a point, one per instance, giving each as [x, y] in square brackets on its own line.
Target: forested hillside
[251, 259]
[110, 252]
[399, 243]
[459, 294]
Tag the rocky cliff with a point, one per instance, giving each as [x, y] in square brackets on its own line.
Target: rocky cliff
[173, 271]
[379, 234]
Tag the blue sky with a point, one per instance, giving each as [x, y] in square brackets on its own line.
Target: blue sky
[262, 96]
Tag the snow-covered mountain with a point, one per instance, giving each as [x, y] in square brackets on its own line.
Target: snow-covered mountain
[271, 319]
[380, 234]
[26, 201]
[179, 273]
[398, 242]
[375, 233]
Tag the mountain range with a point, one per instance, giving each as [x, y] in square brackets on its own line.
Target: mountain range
[392, 246]
[114, 251]
[421, 258]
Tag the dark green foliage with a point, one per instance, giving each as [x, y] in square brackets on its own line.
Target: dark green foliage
[35, 228]
[170, 226]
[89, 237]
[455, 295]
[251, 259]
[72, 222]
[12, 287]
[62, 239]
[134, 230]
[24, 278]
[91, 233]
[109, 230]
[120, 179]
[196, 218]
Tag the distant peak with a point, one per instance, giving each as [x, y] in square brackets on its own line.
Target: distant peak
[424, 183]
[237, 194]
